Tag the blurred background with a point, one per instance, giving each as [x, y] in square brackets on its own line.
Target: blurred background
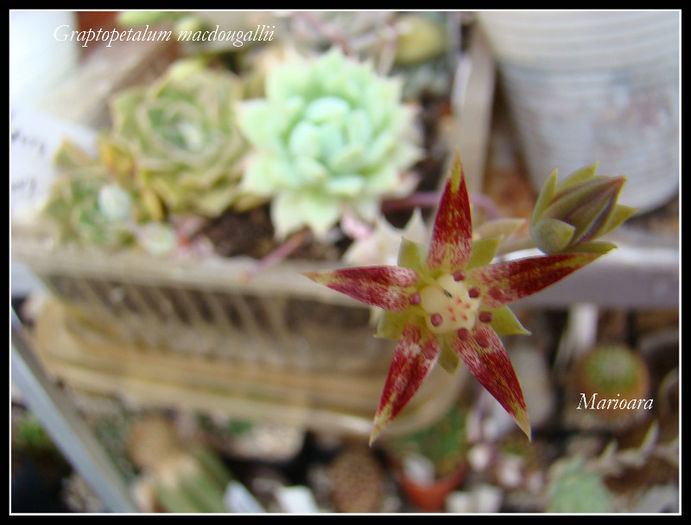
[166, 359]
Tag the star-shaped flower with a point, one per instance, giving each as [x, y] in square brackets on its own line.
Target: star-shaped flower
[450, 304]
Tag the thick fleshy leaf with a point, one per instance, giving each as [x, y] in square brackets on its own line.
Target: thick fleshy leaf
[506, 282]
[387, 287]
[450, 247]
[547, 192]
[578, 177]
[483, 353]
[552, 235]
[619, 215]
[414, 357]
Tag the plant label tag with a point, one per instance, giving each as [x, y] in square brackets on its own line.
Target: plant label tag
[34, 139]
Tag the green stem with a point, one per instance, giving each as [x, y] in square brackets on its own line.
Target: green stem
[279, 254]
[430, 199]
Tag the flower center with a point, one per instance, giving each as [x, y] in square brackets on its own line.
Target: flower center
[449, 305]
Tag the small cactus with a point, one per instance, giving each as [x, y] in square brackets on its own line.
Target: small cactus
[613, 372]
[184, 479]
[443, 443]
[357, 481]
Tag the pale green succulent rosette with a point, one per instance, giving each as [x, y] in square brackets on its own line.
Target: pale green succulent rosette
[330, 135]
[85, 206]
[88, 208]
[176, 142]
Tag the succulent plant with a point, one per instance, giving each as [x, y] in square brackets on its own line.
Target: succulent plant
[569, 216]
[330, 134]
[421, 38]
[357, 481]
[450, 304]
[184, 479]
[89, 208]
[444, 443]
[574, 489]
[613, 372]
[176, 142]
[364, 33]
[85, 205]
[407, 45]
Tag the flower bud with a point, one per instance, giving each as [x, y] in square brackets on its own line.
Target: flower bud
[570, 215]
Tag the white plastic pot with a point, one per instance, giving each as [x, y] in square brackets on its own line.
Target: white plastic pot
[586, 86]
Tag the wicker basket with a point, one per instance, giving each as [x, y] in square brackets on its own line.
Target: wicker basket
[194, 334]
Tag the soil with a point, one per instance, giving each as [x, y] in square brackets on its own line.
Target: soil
[252, 234]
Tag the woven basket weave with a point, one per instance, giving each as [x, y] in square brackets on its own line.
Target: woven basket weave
[194, 334]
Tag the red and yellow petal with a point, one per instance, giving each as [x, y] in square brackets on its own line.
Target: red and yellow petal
[387, 287]
[485, 356]
[451, 243]
[506, 282]
[414, 357]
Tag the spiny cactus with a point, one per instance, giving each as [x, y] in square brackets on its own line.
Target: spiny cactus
[613, 372]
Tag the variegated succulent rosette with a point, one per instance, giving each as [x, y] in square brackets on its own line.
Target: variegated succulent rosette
[450, 305]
